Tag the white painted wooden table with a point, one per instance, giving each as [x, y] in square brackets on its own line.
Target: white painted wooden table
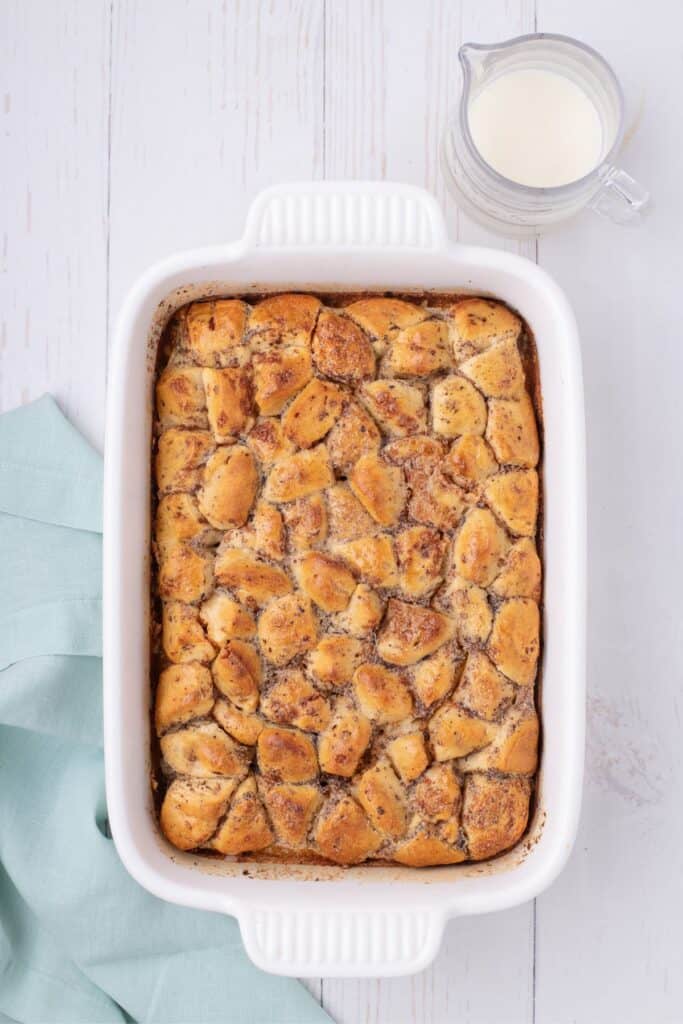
[132, 128]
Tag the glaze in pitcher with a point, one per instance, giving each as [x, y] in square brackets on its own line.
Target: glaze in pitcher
[521, 210]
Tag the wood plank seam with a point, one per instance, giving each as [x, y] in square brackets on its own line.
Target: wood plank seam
[107, 263]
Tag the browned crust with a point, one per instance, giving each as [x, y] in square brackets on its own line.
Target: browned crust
[426, 842]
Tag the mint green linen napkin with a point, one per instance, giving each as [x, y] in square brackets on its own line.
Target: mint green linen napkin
[80, 941]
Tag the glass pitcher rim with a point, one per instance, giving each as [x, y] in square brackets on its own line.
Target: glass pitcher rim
[538, 190]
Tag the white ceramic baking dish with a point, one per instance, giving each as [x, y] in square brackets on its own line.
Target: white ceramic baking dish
[312, 920]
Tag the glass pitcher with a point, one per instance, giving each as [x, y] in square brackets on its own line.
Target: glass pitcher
[521, 210]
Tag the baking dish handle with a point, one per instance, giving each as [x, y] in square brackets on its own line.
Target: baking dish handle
[345, 214]
[346, 942]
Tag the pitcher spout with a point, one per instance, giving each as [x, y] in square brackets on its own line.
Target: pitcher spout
[472, 58]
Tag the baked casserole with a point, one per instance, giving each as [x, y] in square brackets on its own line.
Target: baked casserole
[347, 589]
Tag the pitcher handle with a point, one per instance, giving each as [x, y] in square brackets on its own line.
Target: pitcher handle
[621, 198]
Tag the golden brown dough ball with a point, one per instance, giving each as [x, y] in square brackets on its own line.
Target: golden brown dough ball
[344, 834]
[344, 741]
[183, 692]
[286, 628]
[399, 408]
[215, 330]
[286, 755]
[410, 632]
[286, 319]
[495, 813]
[180, 458]
[246, 826]
[181, 401]
[192, 809]
[341, 350]
[382, 797]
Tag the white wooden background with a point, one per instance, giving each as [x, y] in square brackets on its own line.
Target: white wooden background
[132, 129]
